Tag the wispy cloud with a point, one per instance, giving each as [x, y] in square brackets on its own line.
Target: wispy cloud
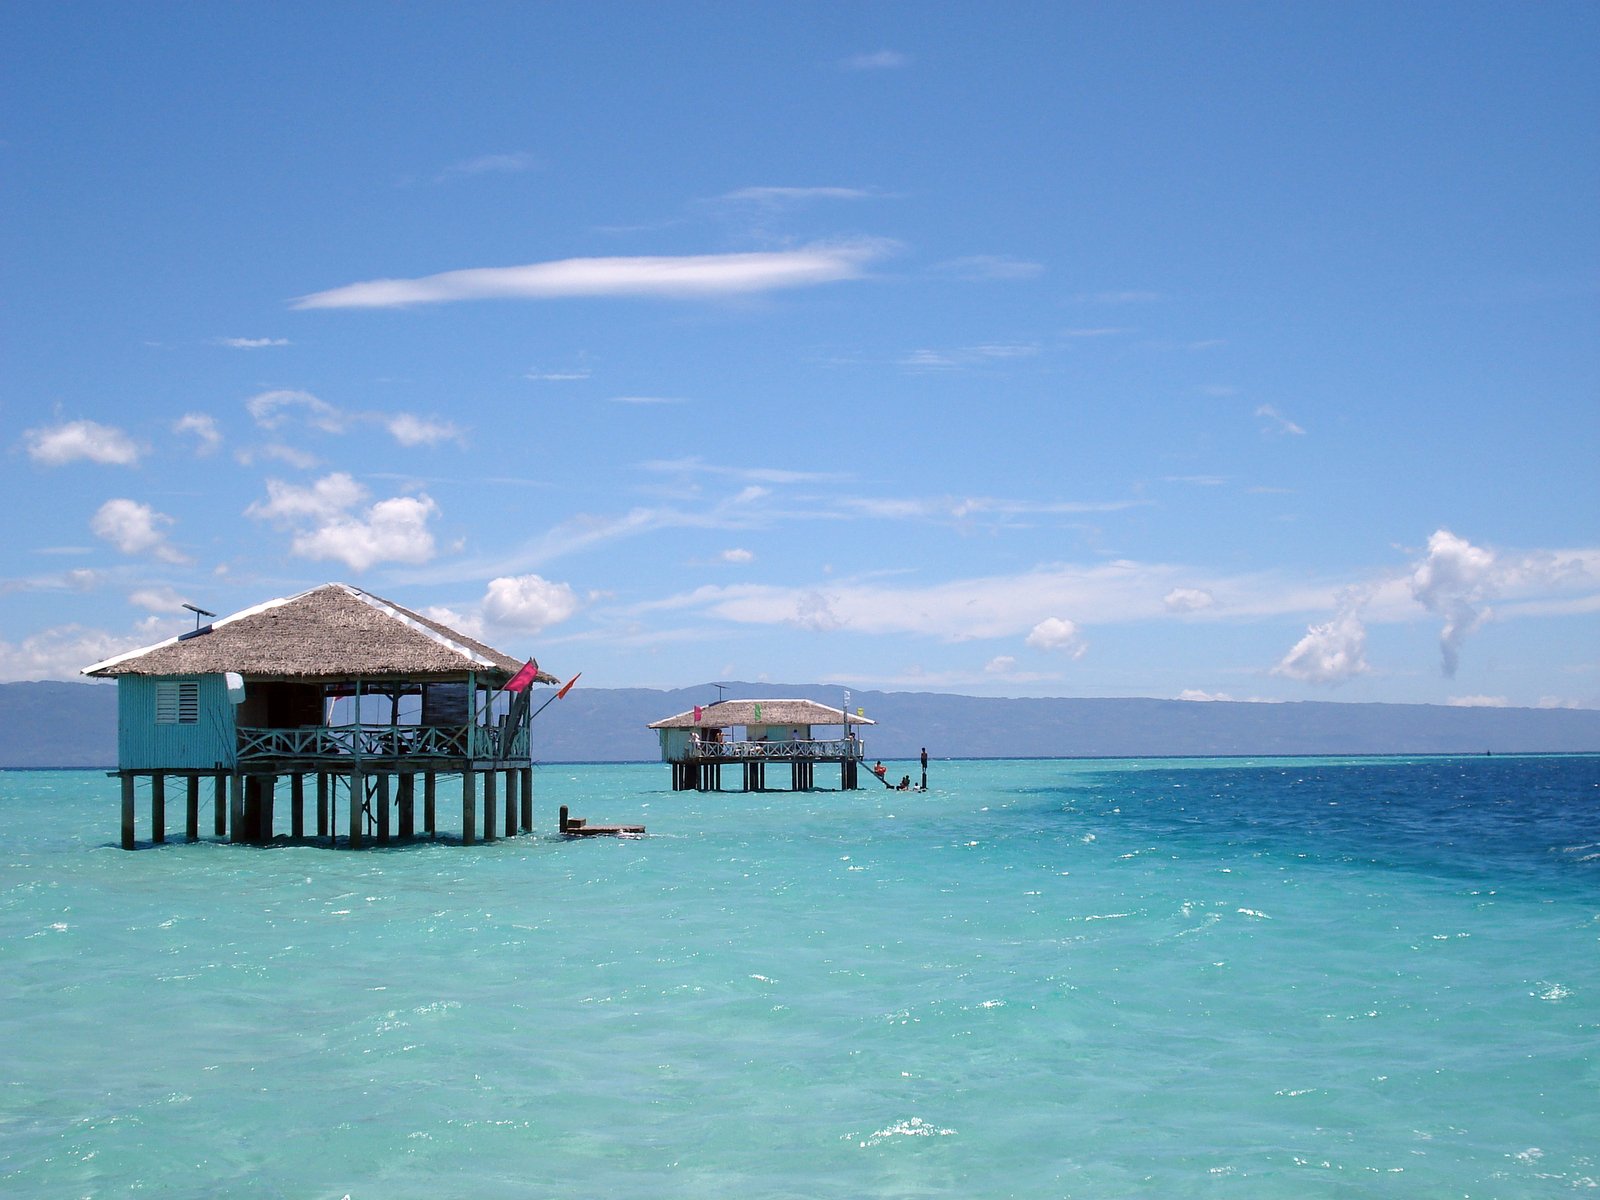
[786, 196]
[988, 266]
[488, 164]
[877, 60]
[700, 276]
[1275, 422]
[926, 359]
[271, 409]
[647, 401]
[203, 428]
[241, 343]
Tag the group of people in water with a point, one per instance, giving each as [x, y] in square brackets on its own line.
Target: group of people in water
[905, 784]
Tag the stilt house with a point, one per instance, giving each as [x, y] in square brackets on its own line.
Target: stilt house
[337, 684]
[755, 733]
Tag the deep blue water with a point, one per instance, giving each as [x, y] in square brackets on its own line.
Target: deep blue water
[1045, 978]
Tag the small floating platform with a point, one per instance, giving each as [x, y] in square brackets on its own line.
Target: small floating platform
[579, 827]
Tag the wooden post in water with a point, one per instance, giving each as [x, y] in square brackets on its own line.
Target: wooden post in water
[357, 786]
[429, 789]
[191, 824]
[267, 793]
[219, 805]
[236, 830]
[322, 804]
[489, 778]
[527, 799]
[383, 808]
[513, 805]
[297, 806]
[408, 806]
[158, 807]
[127, 811]
[469, 806]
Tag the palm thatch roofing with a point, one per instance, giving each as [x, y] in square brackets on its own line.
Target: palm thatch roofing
[722, 714]
[328, 633]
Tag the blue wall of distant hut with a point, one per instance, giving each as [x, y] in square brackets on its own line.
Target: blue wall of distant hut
[155, 730]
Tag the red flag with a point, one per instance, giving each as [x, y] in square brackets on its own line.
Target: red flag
[697, 714]
[520, 681]
[567, 686]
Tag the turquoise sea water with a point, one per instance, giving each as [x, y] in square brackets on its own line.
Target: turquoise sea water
[1281, 978]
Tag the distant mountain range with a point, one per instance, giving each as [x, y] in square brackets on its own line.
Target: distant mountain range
[75, 725]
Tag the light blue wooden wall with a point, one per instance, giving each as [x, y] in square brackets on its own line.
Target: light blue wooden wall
[142, 745]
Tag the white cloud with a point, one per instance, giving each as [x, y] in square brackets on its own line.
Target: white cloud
[1186, 600]
[737, 555]
[87, 441]
[557, 376]
[394, 530]
[677, 277]
[529, 603]
[134, 528]
[1452, 581]
[967, 356]
[1000, 664]
[1329, 653]
[411, 430]
[201, 427]
[1277, 422]
[271, 409]
[1198, 696]
[63, 652]
[1478, 702]
[239, 343]
[157, 600]
[326, 527]
[1058, 633]
[467, 623]
[328, 497]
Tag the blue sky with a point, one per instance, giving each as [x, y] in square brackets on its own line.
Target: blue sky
[1173, 350]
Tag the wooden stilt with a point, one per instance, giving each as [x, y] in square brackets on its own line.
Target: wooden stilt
[127, 811]
[322, 804]
[527, 798]
[382, 804]
[357, 786]
[269, 792]
[469, 806]
[191, 824]
[236, 830]
[489, 778]
[408, 806]
[297, 806]
[512, 803]
[219, 805]
[429, 789]
[158, 807]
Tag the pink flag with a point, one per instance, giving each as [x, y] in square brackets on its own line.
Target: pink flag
[697, 711]
[523, 678]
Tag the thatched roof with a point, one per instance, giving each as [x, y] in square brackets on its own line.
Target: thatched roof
[724, 713]
[330, 632]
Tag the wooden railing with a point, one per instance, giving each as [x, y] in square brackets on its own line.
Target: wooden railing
[812, 750]
[478, 742]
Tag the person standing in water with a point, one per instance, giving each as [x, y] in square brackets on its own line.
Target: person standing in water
[924, 768]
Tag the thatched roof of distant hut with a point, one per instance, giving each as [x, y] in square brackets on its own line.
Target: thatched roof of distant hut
[330, 632]
[724, 713]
